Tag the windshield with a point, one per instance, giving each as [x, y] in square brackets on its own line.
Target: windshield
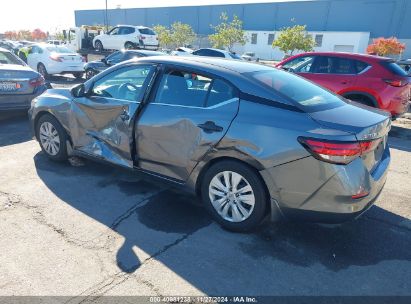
[9, 58]
[306, 94]
[59, 49]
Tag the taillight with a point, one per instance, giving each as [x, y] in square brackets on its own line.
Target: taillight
[396, 82]
[56, 58]
[36, 82]
[338, 152]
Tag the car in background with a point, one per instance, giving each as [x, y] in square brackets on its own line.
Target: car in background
[9, 46]
[19, 84]
[250, 56]
[50, 59]
[209, 52]
[253, 141]
[182, 51]
[55, 42]
[405, 65]
[127, 37]
[92, 68]
[370, 80]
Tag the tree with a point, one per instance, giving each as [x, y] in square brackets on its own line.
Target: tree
[24, 35]
[294, 38]
[228, 33]
[164, 35]
[11, 35]
[182, 34]
[38, 34]
[385, 46]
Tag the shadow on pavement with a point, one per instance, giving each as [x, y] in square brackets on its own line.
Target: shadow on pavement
[14, 127]
[219, 260]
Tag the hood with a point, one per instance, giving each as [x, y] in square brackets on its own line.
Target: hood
[64, 93]
[362, 121]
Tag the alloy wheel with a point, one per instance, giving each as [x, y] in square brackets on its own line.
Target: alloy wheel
[49, 138]
[231, 196]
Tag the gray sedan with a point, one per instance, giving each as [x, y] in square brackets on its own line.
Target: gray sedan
[252, 141]
[19, 84]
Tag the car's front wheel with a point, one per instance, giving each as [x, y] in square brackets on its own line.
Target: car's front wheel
[52, 137]
[235, 195]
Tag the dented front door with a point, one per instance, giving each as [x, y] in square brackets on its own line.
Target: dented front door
[102, 123]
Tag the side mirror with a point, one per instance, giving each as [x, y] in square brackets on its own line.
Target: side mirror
[103, 60]
[79, 91]
[291, 70]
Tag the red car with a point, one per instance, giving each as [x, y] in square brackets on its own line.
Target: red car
[371, 80]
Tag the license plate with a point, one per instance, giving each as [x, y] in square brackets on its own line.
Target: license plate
[9, 86]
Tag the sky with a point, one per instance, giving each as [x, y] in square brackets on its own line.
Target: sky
[55, 15]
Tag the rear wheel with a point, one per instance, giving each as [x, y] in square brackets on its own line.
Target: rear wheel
[42, 70]
[99, 46]
[234, 195]
[90, 73]
[52, 137]
[129, 46]
[78, 75]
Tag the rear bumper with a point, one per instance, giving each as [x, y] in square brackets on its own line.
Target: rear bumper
[312, 190]
[19, 102]
[64, 69]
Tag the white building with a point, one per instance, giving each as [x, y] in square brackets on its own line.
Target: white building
[260, 43]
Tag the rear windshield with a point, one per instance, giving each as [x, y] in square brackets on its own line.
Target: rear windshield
[9, 58]
[57, 49]
[394, 68]
[308, 96]
[146, 31]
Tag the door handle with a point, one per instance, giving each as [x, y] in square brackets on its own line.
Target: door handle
[210, 127]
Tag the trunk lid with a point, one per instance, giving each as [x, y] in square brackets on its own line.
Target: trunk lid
[367, 124]
[15, 79]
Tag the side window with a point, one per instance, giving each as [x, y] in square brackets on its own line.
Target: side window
[360, 66]
[125, 84]
[114, 31]
[201, 52]
[220, 92]
[321, 65]
[300, 64]
[182, 88]
[216, 54]
[270, 39]
[115, 57]
[341, 65]
[126, 30]
[254, 38]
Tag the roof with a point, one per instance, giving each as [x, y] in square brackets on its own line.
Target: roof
[209, 63]
[4, 50]
[349, 55]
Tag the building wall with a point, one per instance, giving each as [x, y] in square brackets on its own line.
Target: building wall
[379, 17]
[331, 41]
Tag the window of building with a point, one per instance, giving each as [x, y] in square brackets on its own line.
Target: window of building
[319, 40]
[270, 39]
[254, 38]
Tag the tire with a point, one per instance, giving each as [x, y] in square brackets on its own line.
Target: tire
[129, 46]
[99, 46]
[43, 71]
[234, 213]
[90, 73]
[48, 129]
[78, 75]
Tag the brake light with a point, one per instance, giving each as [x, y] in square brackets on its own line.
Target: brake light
[396, 82]
[55, 57]
[338, 152]
[36, 82]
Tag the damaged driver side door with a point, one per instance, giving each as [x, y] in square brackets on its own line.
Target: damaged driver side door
[101, 123]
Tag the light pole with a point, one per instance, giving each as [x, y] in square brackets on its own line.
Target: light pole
[106, 18]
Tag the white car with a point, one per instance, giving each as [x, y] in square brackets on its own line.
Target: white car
[50, 59]
[250, 56]
[127, 37]
[181, 51]
[55, 42]
[209, 52]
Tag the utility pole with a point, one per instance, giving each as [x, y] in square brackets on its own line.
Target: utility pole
[106, 18]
